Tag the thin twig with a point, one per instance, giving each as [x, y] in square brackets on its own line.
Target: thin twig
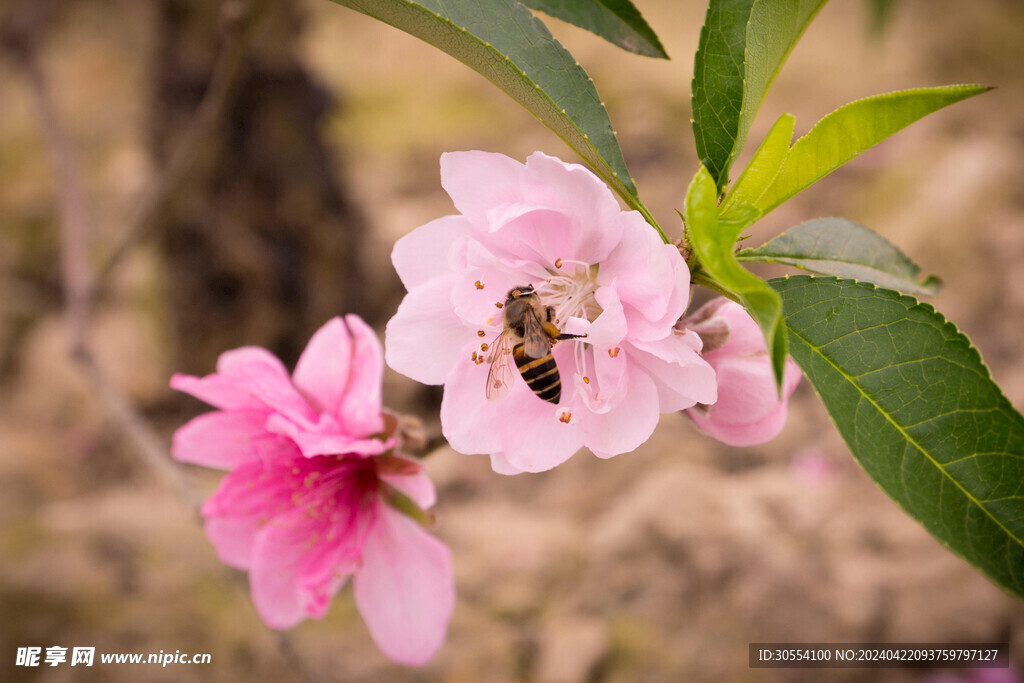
[70, 192]
[75, 231]
[138, 430]
[79, 284]
[141, 221]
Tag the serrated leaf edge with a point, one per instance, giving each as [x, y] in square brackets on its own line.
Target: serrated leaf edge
[625, 189]
[976, 87]
[745, 255]
[945, 325]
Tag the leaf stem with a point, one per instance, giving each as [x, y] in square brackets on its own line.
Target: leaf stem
[650, 220]
[699, 277]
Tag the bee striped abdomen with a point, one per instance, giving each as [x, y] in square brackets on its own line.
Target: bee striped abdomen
[541, 374]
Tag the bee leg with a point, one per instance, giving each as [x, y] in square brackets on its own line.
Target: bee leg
[550, 329]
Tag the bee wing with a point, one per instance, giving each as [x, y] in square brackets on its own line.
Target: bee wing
[500, 373]
[536, 343]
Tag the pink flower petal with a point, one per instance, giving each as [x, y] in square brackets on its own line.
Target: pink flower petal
[225, 440]
[273, 581]
[405, 589]
[233, 538]
[525, 425]
[748, 411]
[747, 388]
[529, 456]
[475, 306]
[423, 254]
[534, 437]
[327, 438]
[265, 378]
[575, 191]
[543, 235]
[745, 337]
[626, 426]
[606, 384]
[468, 420]
[609, 328]
[417, 486]
[759, 431]
[219, 391]
[425, 339]
[249, 491]
[501, 465]
[681, 376]
[322, 372]
[691, 338]
[471, 255]
[361, 405]
[651, 280]
[478, 181]
[296, 568]
[531, 232]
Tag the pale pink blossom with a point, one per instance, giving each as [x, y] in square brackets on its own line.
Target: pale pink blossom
[811, 466]
[749, 409]
[607, 275]
[315, 493]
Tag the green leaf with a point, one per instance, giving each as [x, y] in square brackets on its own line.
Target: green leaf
[617, 21]
[504, 42]
[774, 28]
[918, 409]
[837, 246]
[717, 89]
[759, 173]
[852, 129]
[713, 245]
[743, 44]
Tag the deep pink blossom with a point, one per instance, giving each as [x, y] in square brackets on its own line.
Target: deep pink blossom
[607, 275]
[749, 409]
[313, 488]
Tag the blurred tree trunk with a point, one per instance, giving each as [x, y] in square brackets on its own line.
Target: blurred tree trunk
[262, 240]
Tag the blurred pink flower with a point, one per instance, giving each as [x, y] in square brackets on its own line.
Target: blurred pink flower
[604, 271]
[812, 467]
[313, 489]
[749, 410]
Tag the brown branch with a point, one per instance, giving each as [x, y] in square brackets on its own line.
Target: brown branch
[238, 17]
[19, 38]
[137, 429]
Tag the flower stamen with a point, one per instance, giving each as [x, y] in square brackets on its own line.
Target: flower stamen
[571, 294]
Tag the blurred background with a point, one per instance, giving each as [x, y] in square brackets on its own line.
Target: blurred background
[235, 173]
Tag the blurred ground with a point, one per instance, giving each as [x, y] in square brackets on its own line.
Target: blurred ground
[660, 565]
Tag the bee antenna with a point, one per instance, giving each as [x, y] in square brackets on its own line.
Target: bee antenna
[521, 290]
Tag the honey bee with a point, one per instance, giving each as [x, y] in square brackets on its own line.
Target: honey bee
[528, 335]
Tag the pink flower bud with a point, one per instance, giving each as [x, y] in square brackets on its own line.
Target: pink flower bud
[749, 410]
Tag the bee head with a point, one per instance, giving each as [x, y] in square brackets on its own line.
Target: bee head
[519, 292]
